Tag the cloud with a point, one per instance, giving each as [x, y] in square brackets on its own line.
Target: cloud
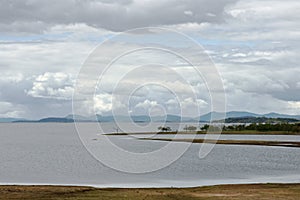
[11, 77]
[294, 105]
[254, 43]
[37, 16]
[145, 107]
[263, 20]
[8, 109]
[103, 103]
[52, 85]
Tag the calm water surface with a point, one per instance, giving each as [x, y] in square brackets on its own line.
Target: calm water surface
[53, 154]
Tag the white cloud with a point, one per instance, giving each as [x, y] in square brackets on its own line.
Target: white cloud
[295, 106]
[193, 107]
[188, 12]
[147, 104]
[52, 85]
[11, 77]
[103, 103]
[8, 109]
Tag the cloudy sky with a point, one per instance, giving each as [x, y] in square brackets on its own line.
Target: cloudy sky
[254, 44]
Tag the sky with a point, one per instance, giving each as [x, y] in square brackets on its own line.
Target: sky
[253, 44]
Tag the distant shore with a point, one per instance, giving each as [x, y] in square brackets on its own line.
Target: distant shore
[230, 192]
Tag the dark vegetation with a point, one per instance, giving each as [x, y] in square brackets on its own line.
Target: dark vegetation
[260, 127]
[286, 127]
[263, 129]
[164, 128]
[259, 120]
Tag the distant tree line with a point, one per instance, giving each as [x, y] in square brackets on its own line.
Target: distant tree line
[259, 120]
[265, 127]
[190, 128]
[285, 127]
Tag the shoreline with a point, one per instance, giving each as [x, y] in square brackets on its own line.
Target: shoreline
[150, 187]
[205, 133]
[227, 191]
[290, 144]
[171, 184]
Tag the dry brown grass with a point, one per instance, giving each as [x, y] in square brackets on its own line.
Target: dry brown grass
[230, 192]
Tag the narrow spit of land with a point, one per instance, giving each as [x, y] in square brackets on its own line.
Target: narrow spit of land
[224, 142]
[246, 132]
[231, 142]
[224, 192]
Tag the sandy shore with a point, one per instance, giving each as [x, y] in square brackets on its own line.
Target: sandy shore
[247, 132]
[232, 142]
[232, 192]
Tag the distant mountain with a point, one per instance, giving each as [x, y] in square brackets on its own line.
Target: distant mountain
[47, 120]
[236, 114]
[141, 118]
[241, 114]
[56, 119]
[219, 115]
[212, 116]
[101, 118]
[80, 118]
[277, 115]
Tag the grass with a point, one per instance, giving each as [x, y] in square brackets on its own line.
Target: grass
[224, 192]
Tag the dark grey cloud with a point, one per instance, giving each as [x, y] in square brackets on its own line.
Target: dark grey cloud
[34, 15]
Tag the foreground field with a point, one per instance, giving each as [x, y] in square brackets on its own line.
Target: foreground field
[232, 192]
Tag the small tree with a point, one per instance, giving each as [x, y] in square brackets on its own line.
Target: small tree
[164, 128]
[190, 128]
[205, 127]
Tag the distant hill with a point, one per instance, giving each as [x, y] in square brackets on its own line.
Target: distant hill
[47, 120]
[219, 116]
[236, 114]
[277, 115]
[56, 119]
[214, 116]
[80, 118]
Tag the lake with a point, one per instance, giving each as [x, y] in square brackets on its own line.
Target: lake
[52, 153]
